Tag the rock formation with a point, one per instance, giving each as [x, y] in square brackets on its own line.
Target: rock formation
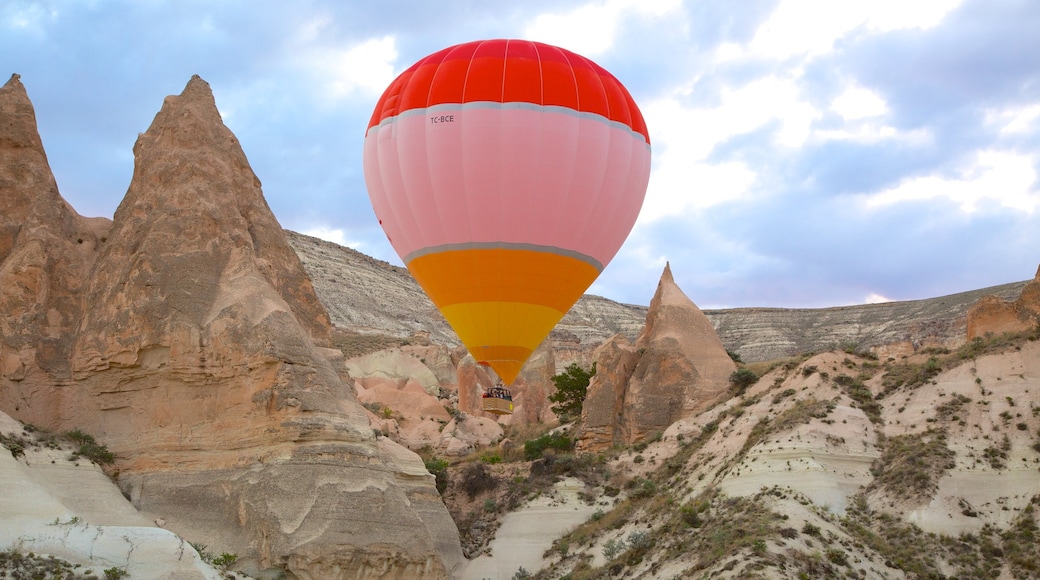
[677, 368]
[46, 253]
[363, 293]
[194, 347]
[994, 315]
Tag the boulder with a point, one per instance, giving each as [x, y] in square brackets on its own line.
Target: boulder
[465, 433]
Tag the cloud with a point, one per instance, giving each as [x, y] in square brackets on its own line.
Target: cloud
[345, 68]
[590, 29]
[685, 137]
[858, 103]
[1003, 177]
[334, 235]
[1015, 120]
[811, 27]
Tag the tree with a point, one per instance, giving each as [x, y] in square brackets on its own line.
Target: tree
[571, 387]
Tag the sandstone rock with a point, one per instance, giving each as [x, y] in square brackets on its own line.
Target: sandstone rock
[201, 363]
[680, 368]
[993, 315]
[46, 252]
[473, 381]
[604, 401]
[410, 417]
[683, 368]
[466, 432]
[72, 510]
[393, 366]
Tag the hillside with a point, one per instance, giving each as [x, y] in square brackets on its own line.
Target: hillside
[369, 295]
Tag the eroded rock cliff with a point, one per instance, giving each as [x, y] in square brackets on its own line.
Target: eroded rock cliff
[994, 315]
[195, 348]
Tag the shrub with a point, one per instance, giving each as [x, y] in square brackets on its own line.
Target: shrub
[612, 548]
[477, 479]
[225, 560]
[534, 448]
[89, 448]
[439, 469]
[740, 380]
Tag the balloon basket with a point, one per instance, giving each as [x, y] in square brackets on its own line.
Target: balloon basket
[498, 406]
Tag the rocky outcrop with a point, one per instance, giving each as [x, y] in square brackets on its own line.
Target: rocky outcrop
[202, 362]
[603, 408]
[994, 315]
[679, 367]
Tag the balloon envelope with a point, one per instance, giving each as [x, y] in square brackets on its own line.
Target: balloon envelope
[506, 174]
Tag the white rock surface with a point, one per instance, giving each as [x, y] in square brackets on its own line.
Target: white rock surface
[71, 510]
[528, 532]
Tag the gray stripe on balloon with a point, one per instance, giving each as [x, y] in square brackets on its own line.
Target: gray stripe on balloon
[504, 246]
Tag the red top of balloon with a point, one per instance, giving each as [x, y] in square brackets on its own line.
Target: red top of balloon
[510, 71]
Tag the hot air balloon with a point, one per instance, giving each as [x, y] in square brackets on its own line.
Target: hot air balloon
[506, 175]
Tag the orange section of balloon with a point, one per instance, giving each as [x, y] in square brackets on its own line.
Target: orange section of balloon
[506, 174]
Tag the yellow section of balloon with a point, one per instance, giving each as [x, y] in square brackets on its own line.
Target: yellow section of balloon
[503, 334]
[502, 302]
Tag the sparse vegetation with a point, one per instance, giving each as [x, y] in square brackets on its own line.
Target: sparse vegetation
[16, 565]
[910, 465]
[476, 479]
[439, 469]
[801, 412]
[858, 392]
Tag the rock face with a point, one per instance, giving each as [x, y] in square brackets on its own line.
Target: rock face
[994, 315]
[677, 368]
[195, 348]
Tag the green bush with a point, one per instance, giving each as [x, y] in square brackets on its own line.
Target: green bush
[90, 448]
[535, 448]
[439, 469]
[740, 380]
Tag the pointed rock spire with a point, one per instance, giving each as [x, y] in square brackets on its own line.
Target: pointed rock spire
[46, 250]
[677, 368]
[192, 237]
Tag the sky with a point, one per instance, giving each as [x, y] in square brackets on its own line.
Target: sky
[805, 153]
